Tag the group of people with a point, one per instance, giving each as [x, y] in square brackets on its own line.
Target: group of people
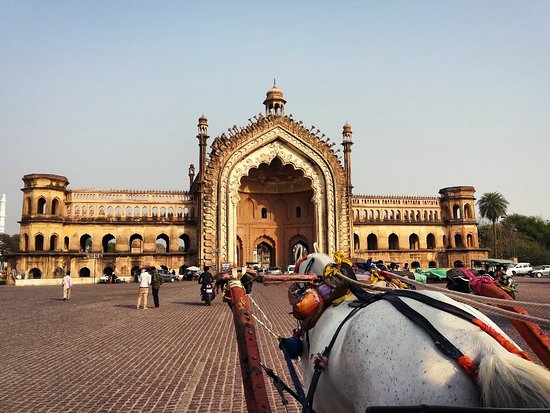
[149, 276]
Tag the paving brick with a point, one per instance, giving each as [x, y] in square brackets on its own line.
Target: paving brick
[97, 353]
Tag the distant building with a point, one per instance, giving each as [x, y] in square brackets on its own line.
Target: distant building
[263, 193]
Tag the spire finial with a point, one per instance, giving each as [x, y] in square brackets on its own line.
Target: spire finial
[274, 82]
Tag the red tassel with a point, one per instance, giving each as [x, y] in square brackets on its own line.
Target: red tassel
[503, 341]
[469, 367]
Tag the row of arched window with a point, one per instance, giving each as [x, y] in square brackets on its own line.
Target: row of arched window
[41, 206]
[108, 244]
[392, 201]
[108, 211]
[458, 212]
[394, 215]
[414, 242]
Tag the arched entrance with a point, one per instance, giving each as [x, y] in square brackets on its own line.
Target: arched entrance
[35, 273]
[298, 250]
[274, 211]
[265, 255]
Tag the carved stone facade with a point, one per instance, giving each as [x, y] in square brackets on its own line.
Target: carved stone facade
[264, 194]
[418, 231]
[90, 232]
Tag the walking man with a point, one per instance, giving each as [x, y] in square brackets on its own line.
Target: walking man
[156, 282]
[67, 285]
[144, 282]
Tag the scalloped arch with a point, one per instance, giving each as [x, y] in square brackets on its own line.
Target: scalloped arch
[278, 143]
[261, 145]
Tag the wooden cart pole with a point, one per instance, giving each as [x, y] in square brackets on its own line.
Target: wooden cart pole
[249, 355]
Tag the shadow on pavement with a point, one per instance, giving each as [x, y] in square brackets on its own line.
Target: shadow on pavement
[195, 303]
[132, 306]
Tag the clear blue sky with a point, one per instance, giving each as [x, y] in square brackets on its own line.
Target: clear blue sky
[439, 93]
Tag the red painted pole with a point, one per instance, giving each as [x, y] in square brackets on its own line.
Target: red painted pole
[531, 332]
[249, 355]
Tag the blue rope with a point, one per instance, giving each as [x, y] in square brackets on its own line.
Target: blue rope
[294, 376]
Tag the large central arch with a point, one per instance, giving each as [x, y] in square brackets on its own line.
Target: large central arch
[276, 143]
[275, 201]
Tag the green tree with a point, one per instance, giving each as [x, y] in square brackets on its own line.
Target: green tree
[9, 244]
[492, 206]
[527, 238]
[535, 228]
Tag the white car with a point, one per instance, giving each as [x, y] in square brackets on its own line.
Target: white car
[540, 271]
[521, 268]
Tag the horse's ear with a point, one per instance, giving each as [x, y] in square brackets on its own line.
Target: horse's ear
[316, 248]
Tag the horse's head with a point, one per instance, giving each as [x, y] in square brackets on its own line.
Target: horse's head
[314, 263]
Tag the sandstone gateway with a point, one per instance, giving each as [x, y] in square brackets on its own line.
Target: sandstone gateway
[263, 193]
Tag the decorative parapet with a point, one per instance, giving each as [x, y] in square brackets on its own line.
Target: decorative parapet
[393, 200]
[115, 195]
[260, 123]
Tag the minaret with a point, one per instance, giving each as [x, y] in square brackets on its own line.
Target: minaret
[191, 175]
[346, 143]
[202, 137]
[274, 102]
[3, 214]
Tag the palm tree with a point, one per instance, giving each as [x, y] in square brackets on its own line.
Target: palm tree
[492, 205]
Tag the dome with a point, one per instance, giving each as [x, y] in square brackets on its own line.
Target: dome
[347, 129]
[274, 101]
[203, 125]
[274, 93]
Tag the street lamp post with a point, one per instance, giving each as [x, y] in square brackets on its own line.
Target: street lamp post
[514, 234]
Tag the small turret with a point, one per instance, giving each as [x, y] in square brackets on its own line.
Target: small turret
[274, 102]
[191, 174]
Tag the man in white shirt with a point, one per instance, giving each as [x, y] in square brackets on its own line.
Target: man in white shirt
[144, 283]
[67, 285]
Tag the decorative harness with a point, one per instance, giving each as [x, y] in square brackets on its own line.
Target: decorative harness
[320, 360]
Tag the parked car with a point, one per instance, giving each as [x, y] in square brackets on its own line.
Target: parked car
[540, 271]
[274, 271]
[521, 268]
[168, 276]
[104, 279]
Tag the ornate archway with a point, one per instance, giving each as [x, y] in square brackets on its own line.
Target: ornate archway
[290, 151]
[232, 157]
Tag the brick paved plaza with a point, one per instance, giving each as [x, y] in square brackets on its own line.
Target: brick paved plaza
[97, 353]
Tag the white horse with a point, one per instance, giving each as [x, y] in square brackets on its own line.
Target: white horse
[381, 358]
